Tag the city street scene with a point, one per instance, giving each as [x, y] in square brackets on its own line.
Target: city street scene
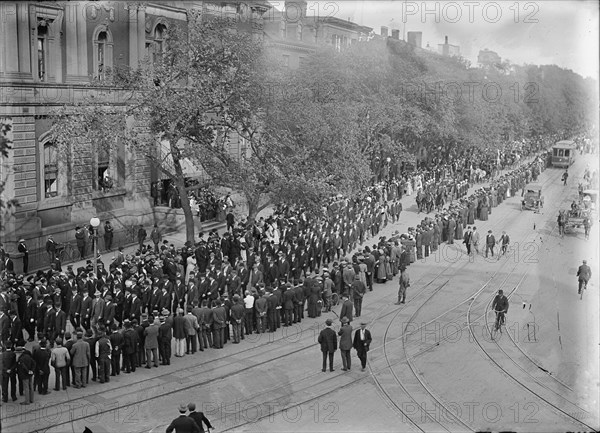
[299, 216]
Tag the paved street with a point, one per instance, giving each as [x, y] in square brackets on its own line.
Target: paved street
[432, 364]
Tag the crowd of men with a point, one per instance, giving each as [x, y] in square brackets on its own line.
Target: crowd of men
[255, 278]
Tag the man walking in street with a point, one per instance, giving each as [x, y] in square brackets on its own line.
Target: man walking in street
[183, 423]
[358, 291]
[198, 417]
[345, 334]
[404, 283]
[503, 241]
[475, 240]
[490, 242]
[328, 341]
[362, 341]
[467, 240]
[584, 273]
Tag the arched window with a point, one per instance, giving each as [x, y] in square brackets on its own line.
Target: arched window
[103, 50]
[50, 170]
[159, 41]
[42, 49]
[283, 29]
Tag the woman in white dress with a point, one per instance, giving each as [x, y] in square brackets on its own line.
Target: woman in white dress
[409, 186]
[190, 267]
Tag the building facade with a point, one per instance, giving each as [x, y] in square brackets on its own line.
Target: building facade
[297, 31]
[57, 53]
[487, 58]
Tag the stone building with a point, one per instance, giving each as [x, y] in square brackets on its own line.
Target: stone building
[296, 32]
[487, 58]
[56, 53]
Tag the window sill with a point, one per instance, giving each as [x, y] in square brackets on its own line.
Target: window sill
[112, 193]
[54, 202]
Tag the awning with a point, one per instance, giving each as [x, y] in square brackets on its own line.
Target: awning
[190, 169]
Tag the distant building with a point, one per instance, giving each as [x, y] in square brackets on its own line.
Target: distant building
[446, 49]
[415, 39]
[488, 58]
[293, 35]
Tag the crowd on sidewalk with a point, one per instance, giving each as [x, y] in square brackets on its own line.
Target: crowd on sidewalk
[255, 278]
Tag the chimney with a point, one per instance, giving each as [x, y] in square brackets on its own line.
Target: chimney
[446, 40]
[384, 31]
[395, 34]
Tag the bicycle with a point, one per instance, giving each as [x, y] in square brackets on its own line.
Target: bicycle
[65, 252]
[498, 324]
[582, 287]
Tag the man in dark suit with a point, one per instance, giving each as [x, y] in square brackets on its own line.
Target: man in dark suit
[183, 423]
[85, 313]
[490, 242]
[345, 334]
[362, 341]
[9, 266]
[198, 417]
[347, 307]
[328, 342]
[22, 248]
[51, 248]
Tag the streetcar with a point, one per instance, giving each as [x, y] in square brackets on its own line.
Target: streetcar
[563, 154]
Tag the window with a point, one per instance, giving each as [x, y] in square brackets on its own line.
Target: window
[301, 62]
[159, 42]
[104, 182]
[285, 61]
[282, 29]
[566, 152]
[50, 170]
[299, 31]
[103, 50]
[42, 49]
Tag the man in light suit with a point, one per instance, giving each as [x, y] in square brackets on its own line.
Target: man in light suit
[362, 341]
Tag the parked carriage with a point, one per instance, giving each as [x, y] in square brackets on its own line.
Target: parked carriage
[576, 219]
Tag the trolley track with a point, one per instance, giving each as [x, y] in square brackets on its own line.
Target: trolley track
[493, 355]
[171, 372]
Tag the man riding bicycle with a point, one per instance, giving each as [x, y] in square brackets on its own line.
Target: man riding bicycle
[500, 306]
[584, 273]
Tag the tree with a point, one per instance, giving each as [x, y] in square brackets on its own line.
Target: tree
[178, 100]
[5, 147]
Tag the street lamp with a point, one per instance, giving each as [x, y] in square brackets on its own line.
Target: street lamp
[95, 223]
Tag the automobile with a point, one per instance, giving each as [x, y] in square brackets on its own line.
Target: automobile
[532, 198]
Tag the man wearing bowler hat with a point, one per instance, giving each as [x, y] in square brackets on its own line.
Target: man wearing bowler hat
[183, 423]
[328, 341]
[362, 341]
